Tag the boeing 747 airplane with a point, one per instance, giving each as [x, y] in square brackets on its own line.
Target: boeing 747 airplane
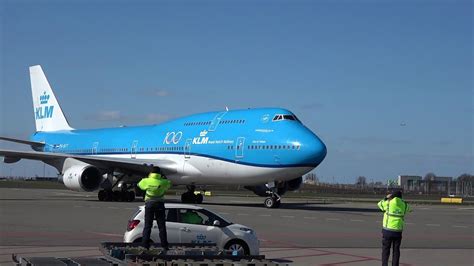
[267, 150]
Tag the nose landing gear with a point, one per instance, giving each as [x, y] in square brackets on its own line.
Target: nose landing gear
[274, 200]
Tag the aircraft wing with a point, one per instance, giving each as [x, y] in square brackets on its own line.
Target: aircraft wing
[126, 165]
[33, 144]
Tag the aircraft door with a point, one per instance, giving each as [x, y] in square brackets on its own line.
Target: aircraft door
[94, 147]
[239, 147]
[133, 150]
[187, 149]
[216, 121]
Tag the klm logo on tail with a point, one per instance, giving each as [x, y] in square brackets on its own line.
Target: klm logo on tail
[44, 111]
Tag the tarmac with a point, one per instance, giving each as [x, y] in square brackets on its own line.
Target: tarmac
[61, 223]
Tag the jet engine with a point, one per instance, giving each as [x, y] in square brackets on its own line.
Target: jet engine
[82, 178]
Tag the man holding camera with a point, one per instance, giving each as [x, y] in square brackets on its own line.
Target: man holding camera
[394, 209]
[155, 187]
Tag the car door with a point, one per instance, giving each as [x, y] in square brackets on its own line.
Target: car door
[172, 228]
[203, 232]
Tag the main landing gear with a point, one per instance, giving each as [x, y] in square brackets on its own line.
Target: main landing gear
[111, 195]
[190, 197]
[124, 192]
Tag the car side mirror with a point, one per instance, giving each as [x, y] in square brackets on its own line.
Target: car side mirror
[216, 223]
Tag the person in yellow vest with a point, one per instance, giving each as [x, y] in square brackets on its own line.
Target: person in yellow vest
[394, 208]
[155, 187]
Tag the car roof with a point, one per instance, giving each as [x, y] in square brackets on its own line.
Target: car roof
[178, 205]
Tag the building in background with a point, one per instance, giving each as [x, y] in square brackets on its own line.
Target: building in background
[410, 183]
[431, 185]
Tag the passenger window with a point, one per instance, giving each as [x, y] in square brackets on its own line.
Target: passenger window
[171, 215]
[189, 216]
[203, 217]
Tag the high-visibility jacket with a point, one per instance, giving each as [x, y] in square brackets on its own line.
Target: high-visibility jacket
[394, 213]
[155, 186]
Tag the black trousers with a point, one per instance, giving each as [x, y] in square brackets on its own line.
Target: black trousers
[154, 210]
[391, 240]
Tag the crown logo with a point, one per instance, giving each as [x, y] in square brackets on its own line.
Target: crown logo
[44, 98]
[203, 133]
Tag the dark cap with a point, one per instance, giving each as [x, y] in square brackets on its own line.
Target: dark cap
[156, 169]
[397, 193]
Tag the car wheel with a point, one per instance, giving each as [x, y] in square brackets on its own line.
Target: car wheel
[239, 246]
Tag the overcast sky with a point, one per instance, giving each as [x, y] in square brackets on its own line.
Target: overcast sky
[387, 85]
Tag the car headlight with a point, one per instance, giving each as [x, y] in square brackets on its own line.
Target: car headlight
[247, 230]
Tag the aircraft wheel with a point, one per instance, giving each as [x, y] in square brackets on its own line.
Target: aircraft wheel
[184, 197]
[130, 196]
[116, 195]
[188, 197]
[199, 198]
[269, 202]
[109, 196]
[272, 202]
[121, 196]
[277, 204]
[102, 195]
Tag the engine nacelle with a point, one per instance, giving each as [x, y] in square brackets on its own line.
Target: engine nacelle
[82, 178]
[295, 184]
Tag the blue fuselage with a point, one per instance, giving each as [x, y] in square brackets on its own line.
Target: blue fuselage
[266, 137]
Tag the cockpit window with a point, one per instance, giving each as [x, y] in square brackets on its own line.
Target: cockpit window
[285, 117]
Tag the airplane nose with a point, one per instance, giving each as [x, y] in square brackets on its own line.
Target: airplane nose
[315, 150]
[318, 150]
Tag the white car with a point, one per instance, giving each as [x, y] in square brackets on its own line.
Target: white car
[209, 228]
